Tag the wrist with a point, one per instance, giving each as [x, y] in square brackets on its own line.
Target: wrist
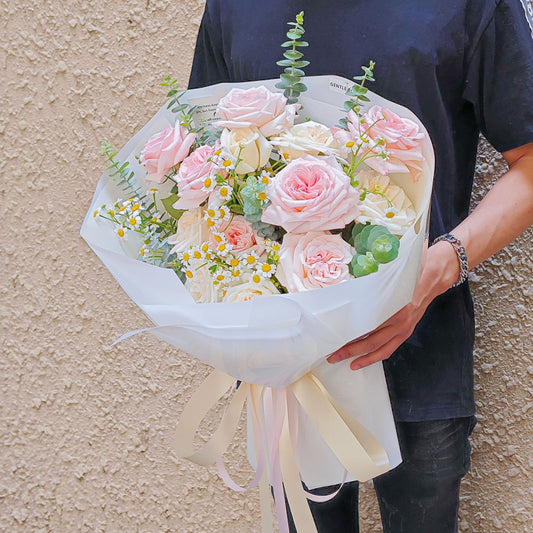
[441, 270]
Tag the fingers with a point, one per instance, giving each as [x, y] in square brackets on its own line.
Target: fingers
[364, 345]
[379, 355]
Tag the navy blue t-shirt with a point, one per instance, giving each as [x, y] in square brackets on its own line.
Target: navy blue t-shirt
[463, 66]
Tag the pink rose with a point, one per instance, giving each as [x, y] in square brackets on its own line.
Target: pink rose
[401, 140]
[241, 235]
[311, 194]
[191, 176]
[312, 261]
[165, 150]
[256, 107]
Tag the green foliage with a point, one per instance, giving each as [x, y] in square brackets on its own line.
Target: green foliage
[122, 175]
[363, 264]
[293, 63]
[358, 92]
[252, 204]
[168, 204]
[374, 245]
[174, 94]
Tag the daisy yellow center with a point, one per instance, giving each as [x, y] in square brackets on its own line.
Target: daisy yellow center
[349, 144]
[250, 259]
[197, 255]
[234, 262]
[208, 182]
[120, 232]
[256, 278]
[189, 274]
[266, 268]
[262, 196]
[227, 163]
[211, 213]
[390, 214]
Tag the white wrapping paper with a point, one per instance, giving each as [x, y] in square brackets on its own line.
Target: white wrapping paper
[274, 340]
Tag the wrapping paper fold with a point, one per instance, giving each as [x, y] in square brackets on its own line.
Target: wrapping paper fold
[275, 340]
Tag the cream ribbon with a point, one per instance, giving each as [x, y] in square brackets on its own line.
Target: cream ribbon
[361, 454]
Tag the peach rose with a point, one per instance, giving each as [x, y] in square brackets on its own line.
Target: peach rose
[241, 235]
[402, 138]
[191, 175]
[251, 147]
[256, 107]
[165, 150]
[306, 138]
[311, 194]
[312, 261]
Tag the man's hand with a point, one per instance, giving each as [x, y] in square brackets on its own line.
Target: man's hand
[504, 213]
[440, 271]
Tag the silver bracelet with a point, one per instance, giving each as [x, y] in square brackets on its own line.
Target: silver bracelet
[461, 255]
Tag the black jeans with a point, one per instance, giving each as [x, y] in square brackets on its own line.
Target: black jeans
[421, 495]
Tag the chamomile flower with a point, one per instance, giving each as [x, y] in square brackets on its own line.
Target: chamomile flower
[265, 177]
[251, 259]
[266, 270]
[391, 212]
[209, 183]
[134, 221]
[121, 232]
[224, 192]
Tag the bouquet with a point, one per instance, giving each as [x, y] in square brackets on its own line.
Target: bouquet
[261, 226]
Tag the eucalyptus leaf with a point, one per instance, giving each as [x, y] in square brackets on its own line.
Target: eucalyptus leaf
[169, 202]
[362, 265]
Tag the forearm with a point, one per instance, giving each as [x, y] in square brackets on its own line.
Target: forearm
[503, 214]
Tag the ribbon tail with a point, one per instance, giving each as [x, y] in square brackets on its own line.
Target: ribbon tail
[201, 402]
[356, 448]
[301, 514]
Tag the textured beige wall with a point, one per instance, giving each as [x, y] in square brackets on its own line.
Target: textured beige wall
[84, 429]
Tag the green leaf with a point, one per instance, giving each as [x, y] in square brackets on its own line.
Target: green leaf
[169, 202]
[284, 63]
[237, 209]
[282, 85]
[290, 44]
[295, 71]
[355, 231]
[363, 264]
[385, 248]
[289, 78]
[293, 54]
[299, 87]
[294, 34]
[300, 64]
[357, 90]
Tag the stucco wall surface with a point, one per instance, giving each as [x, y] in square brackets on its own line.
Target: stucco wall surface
[85, 428]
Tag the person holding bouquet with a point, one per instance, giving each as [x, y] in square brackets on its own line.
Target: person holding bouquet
[463, 67]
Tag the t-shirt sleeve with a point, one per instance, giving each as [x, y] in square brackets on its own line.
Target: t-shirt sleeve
[209, 66]
[499, 82]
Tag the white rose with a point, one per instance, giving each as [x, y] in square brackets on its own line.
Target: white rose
[192, 230]
[249, 145]
[201, 287]
[306, 138]
[247, 291]
[398, 217]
